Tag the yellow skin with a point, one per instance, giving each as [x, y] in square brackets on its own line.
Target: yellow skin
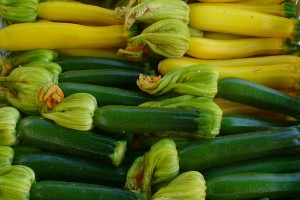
[273, 9]
[55, 35]
[239, 21]
[222, 36]
[206, 48]
[107, 53]
[77, 13]
[262, 2]
[170, 64]
[280, 72]
[219, 1]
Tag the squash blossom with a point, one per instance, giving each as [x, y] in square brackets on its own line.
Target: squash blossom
[9, 117]
[169, 38]
[75, 111]
[159, 164]
[8, 63]
[18, 11]
[6, 156]
[199, 80]
[189, 185]
[151, 11]
[23, 83]
[16, 182]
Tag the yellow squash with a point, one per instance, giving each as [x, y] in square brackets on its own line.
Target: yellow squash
[56, 35]
[241, 22]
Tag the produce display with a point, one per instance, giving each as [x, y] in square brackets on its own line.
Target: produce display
[149, 100]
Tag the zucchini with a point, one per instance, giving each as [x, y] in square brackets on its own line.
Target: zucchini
[121, 78]
[56, 190]
[85, 62]
[269, 164]
[257, 95]
[213, 152]
[60, 167]
[235, 124]
[122, 119]
[254, 185]
[45, 134]
[107, 95]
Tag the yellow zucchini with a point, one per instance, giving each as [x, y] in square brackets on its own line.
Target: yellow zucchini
[170, 64]
[56, 35]
[241, 22]
[264, 2]
[286, 9]
[206, 48]
[77, 13]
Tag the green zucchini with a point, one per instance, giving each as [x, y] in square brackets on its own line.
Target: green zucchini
[45, 134]
[56, 190]
[121, 78]
[221, 150]
[107, 95]
[122, 119]
[254, 185]
[269, 164]
[85, 62]
[235, 124]
[59, 167]
[257, 95]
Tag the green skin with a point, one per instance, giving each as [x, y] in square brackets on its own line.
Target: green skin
[134, 119]
[107, 95]
[55, 190]
[254, 185]
[83, 62]
[208, 153]
[235, 124]
[60, 167]
[281, 163]
[45, 134]
[260, 96]
[121, 78]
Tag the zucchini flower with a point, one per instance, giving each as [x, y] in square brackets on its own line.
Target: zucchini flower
[151, 11]
[6, 156]
[23, 83]
[16, 182]
[75, 111]
[9, 117]
[18, 11]
[210, 114]
[188, 185]
[168, 37]
[9, 63]
[159, 164]
[199, 80]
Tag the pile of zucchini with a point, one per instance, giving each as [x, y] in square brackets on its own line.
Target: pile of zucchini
[149, 100]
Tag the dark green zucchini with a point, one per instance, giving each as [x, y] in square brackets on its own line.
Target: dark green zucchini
[269, 164]
[222, 150]
[84, 62]
[56, 190]
[257, 95]
[235, 124]
[120, 78]
[60, 167]
[254, 185]
[121, 119]
[107, 95]
[45, 134]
